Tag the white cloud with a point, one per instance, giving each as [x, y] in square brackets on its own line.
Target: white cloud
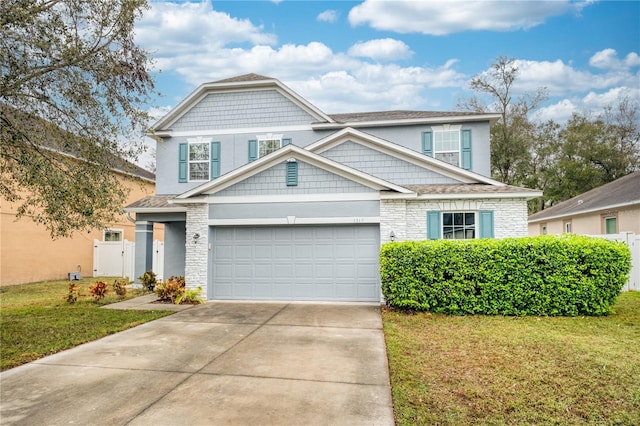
[562, 79]
[559, 112]
[387, 49]
[447, 17]
[329, 15]
[591, 103]
[334, 81]
[608, 59]
[177, 28]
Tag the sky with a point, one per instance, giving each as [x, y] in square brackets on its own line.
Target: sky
[352, 56]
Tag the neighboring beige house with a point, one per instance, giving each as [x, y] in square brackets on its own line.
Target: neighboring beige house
[609, 209]
[29, 254]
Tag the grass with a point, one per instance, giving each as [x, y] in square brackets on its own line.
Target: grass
[35, 319]
[482, 370]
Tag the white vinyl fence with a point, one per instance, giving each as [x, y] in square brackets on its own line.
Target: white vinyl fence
[633, 241]
[117, 259]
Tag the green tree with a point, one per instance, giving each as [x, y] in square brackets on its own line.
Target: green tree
[511, 135]
[72, 85]
[595, 151]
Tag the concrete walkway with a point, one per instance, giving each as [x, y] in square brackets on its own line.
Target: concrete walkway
[215, 364]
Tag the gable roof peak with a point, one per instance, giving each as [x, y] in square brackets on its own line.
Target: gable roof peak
[244, 78]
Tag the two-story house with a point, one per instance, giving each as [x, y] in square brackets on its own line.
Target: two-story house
[264, 196]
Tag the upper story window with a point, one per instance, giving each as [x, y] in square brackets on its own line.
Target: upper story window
[448, 143]
[265, 145]
[199, 160]
[268, 144]
[446, 146]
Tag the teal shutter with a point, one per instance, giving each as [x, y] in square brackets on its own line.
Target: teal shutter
[427, 143]
[292, 174]
[486, 223]
[215, 160]
[253, 150]
[466, 149]
[183, 165]
[286, 141]
[433, 225]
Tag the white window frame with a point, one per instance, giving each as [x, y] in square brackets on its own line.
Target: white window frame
[269, 137]
[607, 218]
[199, 141]
[476, 231]
[567, 226]
[438, 133]
[119, 231]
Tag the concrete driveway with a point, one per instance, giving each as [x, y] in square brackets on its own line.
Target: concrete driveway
[216, 364]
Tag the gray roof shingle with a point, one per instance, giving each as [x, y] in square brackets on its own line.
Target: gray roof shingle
[466, 188]
[395, 115]
[153, 202]
[625, 190]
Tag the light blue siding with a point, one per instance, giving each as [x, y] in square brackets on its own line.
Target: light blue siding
[384, 166]
[299, 210]
[311, 180]
[249, 109]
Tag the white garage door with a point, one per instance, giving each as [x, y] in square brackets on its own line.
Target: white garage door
[331, 263]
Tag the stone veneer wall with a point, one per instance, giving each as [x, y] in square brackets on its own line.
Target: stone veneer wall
[408, 219]
[197, 251]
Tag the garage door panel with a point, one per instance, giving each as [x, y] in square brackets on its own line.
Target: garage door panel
[337, 262]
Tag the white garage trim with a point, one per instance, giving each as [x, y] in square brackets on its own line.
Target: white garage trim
[292, 220]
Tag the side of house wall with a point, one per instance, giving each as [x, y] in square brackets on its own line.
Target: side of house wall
[592, 223]
[28, 254]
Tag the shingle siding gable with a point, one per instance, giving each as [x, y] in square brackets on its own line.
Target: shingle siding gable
[246, 109]
[384, 166]
[311, 180]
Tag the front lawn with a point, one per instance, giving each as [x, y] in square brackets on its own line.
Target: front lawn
[35, 319]
[469, 370]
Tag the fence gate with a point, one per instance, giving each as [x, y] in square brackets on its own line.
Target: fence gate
[633, 241]
[117, 259]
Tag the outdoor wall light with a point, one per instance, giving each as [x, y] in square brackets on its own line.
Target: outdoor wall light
[392, 236]
[195, 238]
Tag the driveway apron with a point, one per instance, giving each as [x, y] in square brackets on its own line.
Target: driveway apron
[223, 363]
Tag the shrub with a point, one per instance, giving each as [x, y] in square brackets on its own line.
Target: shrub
[74, 292]
[148, 280]
[99, 290]
[546, 275]
[170, 289]
[119, 286]
[190, 295]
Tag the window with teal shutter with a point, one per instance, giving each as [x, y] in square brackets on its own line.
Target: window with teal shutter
[433, 224]
[182, 162]
[215, 160]
[286, 141]
[292, 173]
[253, 150]
[466, 149]
[427, 143]
[486, 223]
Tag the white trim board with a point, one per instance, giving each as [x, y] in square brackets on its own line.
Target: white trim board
[293, 220]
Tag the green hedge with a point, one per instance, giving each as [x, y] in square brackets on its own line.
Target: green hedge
[546, 275]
